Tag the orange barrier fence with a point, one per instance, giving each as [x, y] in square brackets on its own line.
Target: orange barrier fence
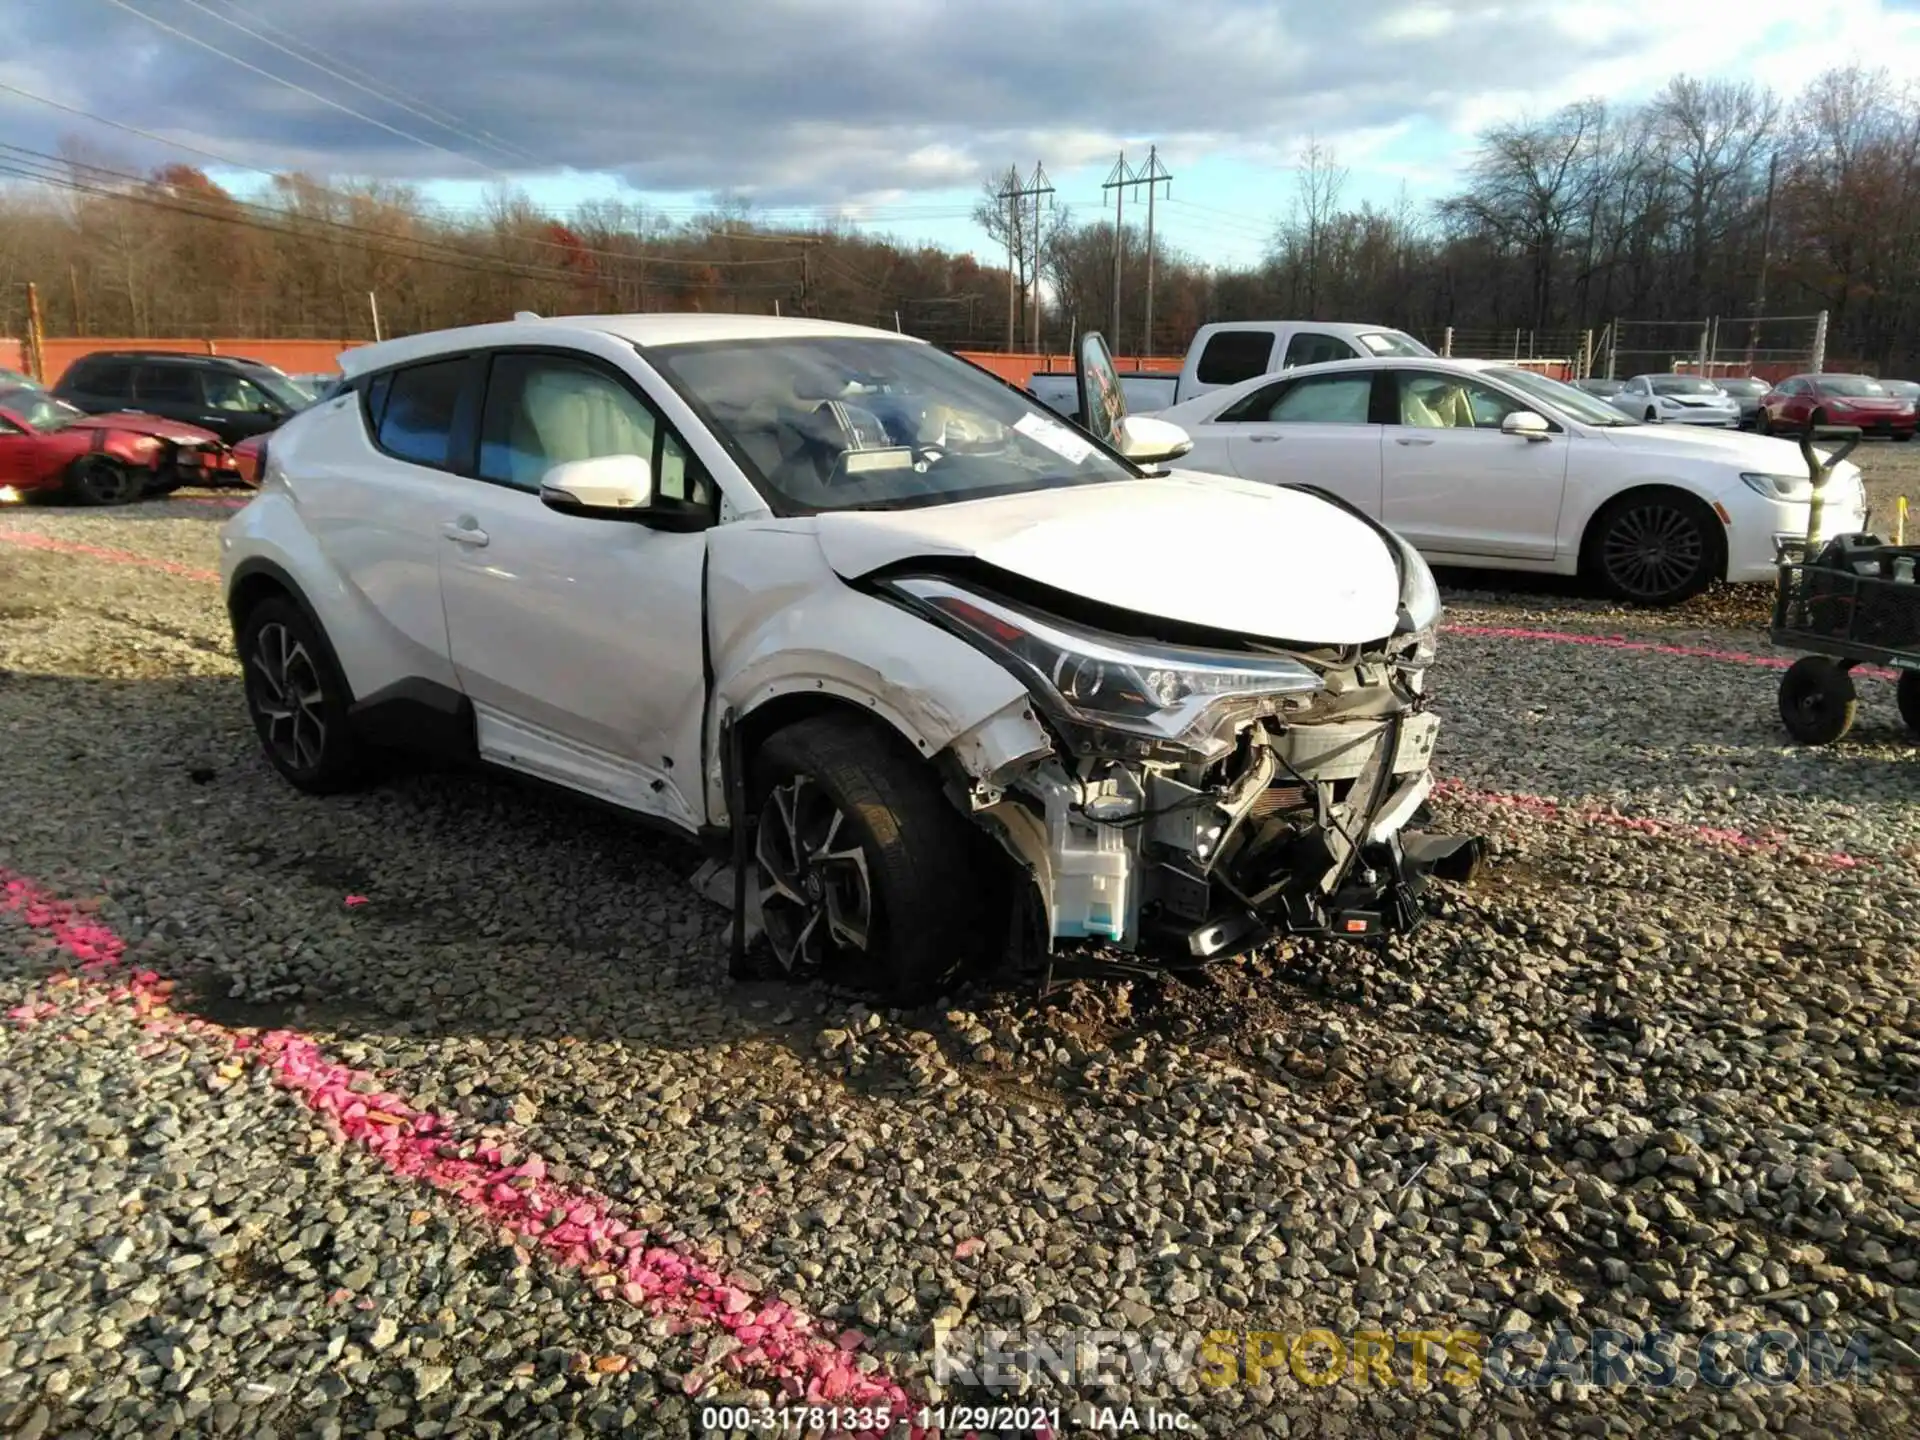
[299, 357]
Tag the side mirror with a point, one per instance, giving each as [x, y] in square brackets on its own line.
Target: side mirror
[1526, 424]
[612, 487]
[1147, 441]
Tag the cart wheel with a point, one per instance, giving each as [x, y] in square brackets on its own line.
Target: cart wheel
[1908, 693]
[1817, 700]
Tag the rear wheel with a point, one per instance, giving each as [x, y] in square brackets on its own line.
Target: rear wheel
[1817, 700]
[862, 864]
[1658, 547]
[102, 480]
[1908, 694]
[299, 700]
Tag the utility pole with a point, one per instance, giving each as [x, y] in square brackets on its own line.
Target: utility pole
[37, 335]
[1766, 256]
[1013, 192]
[73, 288]
[1120, 180]
[1039, 187]
[1153, 175]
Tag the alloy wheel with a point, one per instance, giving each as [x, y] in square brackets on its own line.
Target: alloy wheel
[288, 696]
[815, 894]
[103, 481]
[1652, 550]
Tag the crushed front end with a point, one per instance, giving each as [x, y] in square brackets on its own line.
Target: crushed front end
[1199, 799]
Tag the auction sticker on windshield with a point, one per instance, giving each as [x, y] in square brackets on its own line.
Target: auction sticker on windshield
[1056, 437]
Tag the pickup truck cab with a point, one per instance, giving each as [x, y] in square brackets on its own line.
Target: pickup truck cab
[1229, 352]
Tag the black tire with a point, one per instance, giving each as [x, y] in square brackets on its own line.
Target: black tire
[1819, 417]
[1901, 437]
[1653, 415]
[1654, 547]
[103, 480]
[298, 700]
[1817, 700]
[1907, 692]
[925, 905]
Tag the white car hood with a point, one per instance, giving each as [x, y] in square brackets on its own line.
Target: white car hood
[1758, 453]
[1200, 549]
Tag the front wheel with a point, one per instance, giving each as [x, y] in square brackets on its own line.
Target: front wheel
[1907, 692]
[861, 862]
[1656, 548]
[1652, 415]
[1817, 700]
[102, 480]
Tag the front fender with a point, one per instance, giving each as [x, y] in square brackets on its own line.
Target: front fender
[781, 623]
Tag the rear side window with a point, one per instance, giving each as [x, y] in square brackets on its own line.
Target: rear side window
[413, 411]
[1325, 400]
[1312, 348]
[104, 377]
[1235, 355]
[175, 384]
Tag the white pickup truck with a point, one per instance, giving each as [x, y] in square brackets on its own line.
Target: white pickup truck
[1231, 351]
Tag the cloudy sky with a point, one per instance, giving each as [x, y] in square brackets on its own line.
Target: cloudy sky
[890, 111]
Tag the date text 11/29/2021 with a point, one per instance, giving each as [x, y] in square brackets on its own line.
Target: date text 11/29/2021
[879, 1420]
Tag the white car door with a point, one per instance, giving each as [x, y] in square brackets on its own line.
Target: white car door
[1313, 430]
[379, 492]
[1454, 484]
[577, 639]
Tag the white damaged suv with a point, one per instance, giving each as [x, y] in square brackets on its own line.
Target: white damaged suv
[939, 672]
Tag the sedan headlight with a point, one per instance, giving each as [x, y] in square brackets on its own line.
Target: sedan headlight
[1793, 489]
[1188, 698]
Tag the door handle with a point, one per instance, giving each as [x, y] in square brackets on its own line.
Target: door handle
[1413, 440]
[465, 532]
[1265, 439]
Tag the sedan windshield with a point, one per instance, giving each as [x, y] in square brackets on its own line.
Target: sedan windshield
[1851, 385]
[851, 423]
[40, 410]
[1682, 385]
[1558, 395]
[1392, 342]
[1901, 389]
[1741, 386]
[280, 386]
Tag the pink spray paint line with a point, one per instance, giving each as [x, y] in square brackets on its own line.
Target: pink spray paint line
[31, 540]
[1546, 809]
[1645, 647]
[809, 1363]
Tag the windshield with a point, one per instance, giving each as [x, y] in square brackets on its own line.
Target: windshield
[280, 387]
[1904, 389]
[40, 410]
[1744, 387]
[1392, 342]
[1851, 385]
[1682, 385]
[851, 423]
[1560, 396]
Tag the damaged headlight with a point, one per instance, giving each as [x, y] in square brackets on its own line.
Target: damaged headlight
[1193, 699]
[1419, 596]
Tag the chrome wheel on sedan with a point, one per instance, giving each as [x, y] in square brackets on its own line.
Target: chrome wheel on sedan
[816, 896]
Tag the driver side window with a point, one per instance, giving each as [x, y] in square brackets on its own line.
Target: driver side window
[1447, 402]
[545, 410]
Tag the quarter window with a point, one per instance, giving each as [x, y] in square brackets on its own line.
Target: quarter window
[415, 421]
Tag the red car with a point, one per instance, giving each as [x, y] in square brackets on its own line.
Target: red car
[1835, 400]
[248, 457]
[47, 446]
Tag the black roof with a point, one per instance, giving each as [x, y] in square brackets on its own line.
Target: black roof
[183, 356]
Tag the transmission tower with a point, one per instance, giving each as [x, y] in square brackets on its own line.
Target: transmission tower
[1121, 179]
[1012, 193]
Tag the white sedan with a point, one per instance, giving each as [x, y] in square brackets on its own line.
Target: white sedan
[1678, 399]
[1482, 464]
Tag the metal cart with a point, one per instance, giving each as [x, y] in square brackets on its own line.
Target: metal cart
[1851, 601]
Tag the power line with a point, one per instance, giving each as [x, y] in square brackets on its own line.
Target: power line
[294, 85]
[379, 89]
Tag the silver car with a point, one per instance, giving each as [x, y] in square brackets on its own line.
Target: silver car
[1687, 399]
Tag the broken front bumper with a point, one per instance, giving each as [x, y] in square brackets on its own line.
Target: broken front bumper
[1311, 835]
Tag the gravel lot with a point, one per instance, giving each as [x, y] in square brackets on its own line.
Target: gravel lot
[273, 1137]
